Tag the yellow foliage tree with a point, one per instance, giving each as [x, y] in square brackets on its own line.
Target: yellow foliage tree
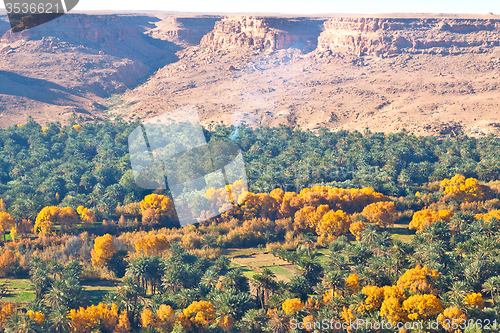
[165, 318]
[7, 222]
[291, 306]
[103, 251]
[162, 205]
[383, 213]
[87, 216]
[356, 229]
[425, 217]
[422, 307]
[486, 217]
[462, 189]
[332, 225]
[392, 309]
[352, 283]
[123, 324]
[374, 297]
[200, 314]
[7, 309]
[147, 318]
[418, 279]
[474, 300]
[94, 317]
[67, 217]
[45, 220]
[77, 128]
[347, 315]
[7, 261]
[37, 317]
[152, 244]
[450, 316]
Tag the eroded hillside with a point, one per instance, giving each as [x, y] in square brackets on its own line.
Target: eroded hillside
[427, 74]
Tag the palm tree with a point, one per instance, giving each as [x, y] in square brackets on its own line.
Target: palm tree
[310, 268]
[264, 284]
[58, 294]
[211, 277]
[222, 263]
[278, 323]
[21, 323]
[236, 280]
[59, 320]
[492, 286]
[255, 320]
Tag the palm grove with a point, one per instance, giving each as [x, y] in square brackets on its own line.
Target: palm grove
[70, 211]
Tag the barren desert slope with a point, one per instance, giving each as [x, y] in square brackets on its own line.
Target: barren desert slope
[429, 74]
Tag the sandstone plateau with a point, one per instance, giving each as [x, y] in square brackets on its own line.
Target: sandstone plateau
[428, 74]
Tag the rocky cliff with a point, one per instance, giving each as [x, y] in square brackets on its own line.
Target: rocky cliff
[265, 33]
[386, 36]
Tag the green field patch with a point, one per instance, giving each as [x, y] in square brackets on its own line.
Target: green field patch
[17, 290]
[285, 273]
[95, 291]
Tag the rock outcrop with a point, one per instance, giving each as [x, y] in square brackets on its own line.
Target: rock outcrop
[386, 36]
[265, 33]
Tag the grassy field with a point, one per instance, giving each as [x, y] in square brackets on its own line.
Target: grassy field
[22, 291]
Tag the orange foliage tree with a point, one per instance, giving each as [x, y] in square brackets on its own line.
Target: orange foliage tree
[94, 317]
[422, 307]
[291, 306]
[67, 217]
[474, 300]
[462, 189]
[7, 222]
[87, 216]
[200, 314]
[450, 316]
[45, 220]
[425, 217]
[103, 251]
[418, 279]
[152, 244]
[332, 225]
[382, 213]
[162, 206]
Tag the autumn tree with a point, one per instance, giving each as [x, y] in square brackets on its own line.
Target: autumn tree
[474, 300]
[352, 282]
[99, 317]
[451, 315]
[422, 307]
[200, 314]
[382, 213]
[103, 251]
[291, 306]
[46, 220]
[152, 244]
[332, 225]
[68, 218]
[374, 297]
[425, 217]
[87, 216]
[356, 229]
[6, 223]
[161, 205]
[419, 279]
[462, 189]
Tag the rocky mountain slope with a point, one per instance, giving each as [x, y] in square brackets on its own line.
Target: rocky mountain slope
[427, 74]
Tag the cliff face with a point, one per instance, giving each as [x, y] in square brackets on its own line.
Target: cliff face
[384, 36]
[264, 33]
[185, 31]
